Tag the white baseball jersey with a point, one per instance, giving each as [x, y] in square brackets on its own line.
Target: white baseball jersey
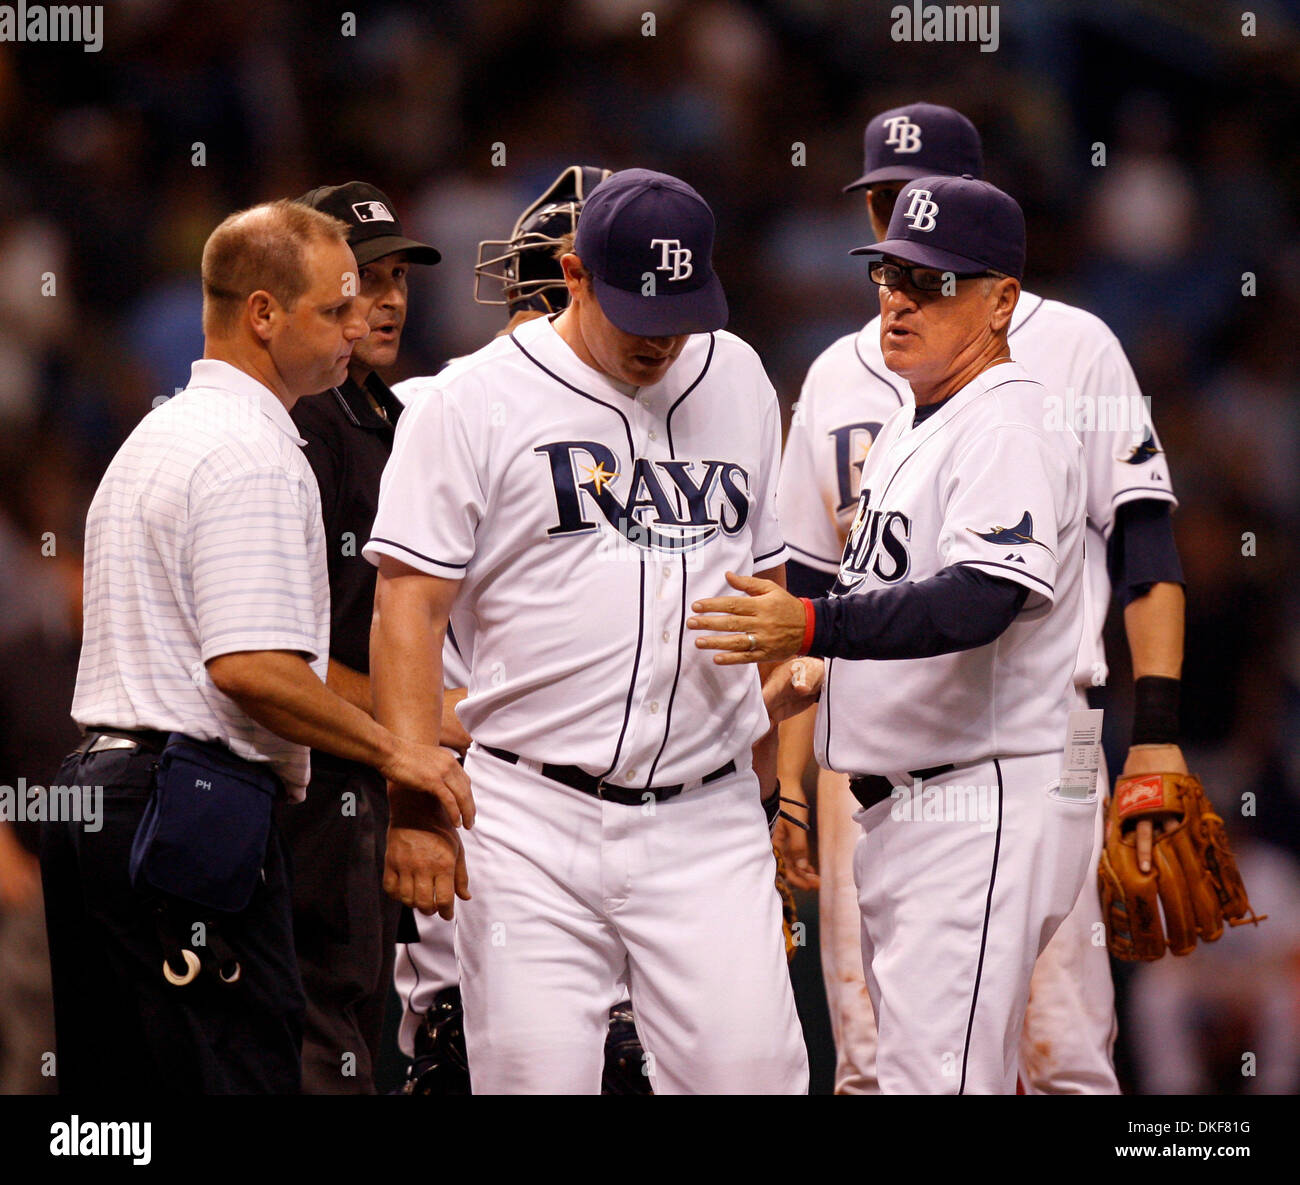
[456, 650]
[583, 523]
[849, 393]
[981, 482]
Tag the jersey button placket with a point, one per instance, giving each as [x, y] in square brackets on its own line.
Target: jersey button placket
[663, 609]
[633, 768]
[619, 821]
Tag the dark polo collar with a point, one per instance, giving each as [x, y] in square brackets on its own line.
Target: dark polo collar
[352, 398]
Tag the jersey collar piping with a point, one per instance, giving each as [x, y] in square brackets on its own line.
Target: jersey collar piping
[558, 355]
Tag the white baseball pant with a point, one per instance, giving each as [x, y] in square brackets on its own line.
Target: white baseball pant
[839, 923]
[1070, 1026]
[573, 898]
[956, 905]
[425, 968]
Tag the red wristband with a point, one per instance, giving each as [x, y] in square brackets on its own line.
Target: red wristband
[809, 625]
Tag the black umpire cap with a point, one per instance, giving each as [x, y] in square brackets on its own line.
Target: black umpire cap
[373, 229]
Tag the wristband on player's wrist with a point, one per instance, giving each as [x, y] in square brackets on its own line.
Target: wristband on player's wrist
[772, 808]
[809, 625]
[1155, 710]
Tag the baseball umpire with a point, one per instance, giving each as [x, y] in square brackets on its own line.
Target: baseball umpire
[620, 455]
[344, 924]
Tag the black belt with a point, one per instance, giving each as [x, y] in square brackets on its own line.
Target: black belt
[870, 789]
[147, 738]
[580, 779]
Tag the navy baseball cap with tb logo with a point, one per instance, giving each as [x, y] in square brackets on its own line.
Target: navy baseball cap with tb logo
[958, 224]
[647, 240]
[919, 140]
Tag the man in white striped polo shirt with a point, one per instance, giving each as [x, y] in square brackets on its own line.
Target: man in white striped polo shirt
[207, 615]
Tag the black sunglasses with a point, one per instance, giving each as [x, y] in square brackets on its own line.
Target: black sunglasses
[923, 279]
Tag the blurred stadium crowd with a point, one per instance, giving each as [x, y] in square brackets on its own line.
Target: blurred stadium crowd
[761, 107]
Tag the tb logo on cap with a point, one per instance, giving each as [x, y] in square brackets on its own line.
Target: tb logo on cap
[921, 210]
[904, 135]
[673, 258]
[372, 212]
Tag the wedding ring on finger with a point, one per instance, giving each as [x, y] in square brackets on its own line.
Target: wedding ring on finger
[753, 642]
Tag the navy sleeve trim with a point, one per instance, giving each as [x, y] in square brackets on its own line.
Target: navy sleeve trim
[427, 558]
[1009, 568]
[1155, 492]
[767, 555]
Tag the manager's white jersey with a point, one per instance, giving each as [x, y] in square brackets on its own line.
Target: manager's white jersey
[204, 538]
[849, 393]
[980, 482]
[583, 522]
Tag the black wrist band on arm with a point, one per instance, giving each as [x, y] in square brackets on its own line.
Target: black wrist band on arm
[1155, 710]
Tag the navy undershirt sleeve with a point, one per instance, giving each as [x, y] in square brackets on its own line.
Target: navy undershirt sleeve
[1141, 551]
[803, 581]
[959, 609]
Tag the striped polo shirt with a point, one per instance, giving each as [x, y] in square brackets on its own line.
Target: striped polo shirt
[204, 538]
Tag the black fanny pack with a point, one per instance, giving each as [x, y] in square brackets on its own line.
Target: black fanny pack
[204, 832]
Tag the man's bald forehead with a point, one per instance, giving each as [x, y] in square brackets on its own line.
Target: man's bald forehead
[261, 248]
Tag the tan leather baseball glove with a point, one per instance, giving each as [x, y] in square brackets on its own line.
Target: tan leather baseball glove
[1193, 876]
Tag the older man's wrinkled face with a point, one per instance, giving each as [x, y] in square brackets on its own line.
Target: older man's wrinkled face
[927, 336]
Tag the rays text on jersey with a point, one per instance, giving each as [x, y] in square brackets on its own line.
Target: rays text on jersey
[876, 546]
[671, 505]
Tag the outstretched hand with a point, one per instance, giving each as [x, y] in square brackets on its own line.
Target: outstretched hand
[765, 625]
